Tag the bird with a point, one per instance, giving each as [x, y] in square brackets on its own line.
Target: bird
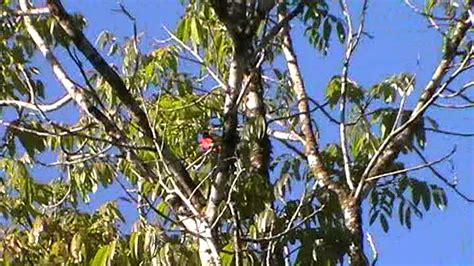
[207, 141]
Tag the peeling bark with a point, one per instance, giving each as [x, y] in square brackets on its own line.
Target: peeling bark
[353, 221]
[260, 152]
[255, 109]
[311, 145]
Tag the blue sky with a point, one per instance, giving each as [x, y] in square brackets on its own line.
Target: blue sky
[402, 43]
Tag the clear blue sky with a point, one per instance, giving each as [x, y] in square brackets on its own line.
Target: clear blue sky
[402, 43]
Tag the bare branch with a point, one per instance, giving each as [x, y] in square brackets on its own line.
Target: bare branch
[442, 178]
[283, 135]
[375, 254]
[45, 108]
[446, 132]
[311, 146]
[414, 168]
[286, 231]
[283, 22]
[460, 92]
[198, 58]
[454, 106]
[351, 45]
[30, 12]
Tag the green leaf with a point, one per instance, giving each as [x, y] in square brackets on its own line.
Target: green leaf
[227, 254]
[439, 197]
[341, 33]
[408, 217]
[374, 197]
[420, 133]
[101, 257]
[425, 195]
[31, 142]
[433, 122]
[195, 31]
[134, 244]
[384, 223]
[327, 30]
[373, 217]
[75, 247]
[430, 4]
[401, 211]
[415, 192]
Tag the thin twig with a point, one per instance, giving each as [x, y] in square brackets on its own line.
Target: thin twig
[265, 239]
[414, 168]
[375, 254]
[420, 109]
[38, 107]
[198, 58]
[442, 178]
[452, 133]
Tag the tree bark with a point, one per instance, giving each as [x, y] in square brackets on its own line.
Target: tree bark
[353, 221]
[230, 137]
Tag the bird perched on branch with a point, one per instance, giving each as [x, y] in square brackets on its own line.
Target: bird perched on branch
[208, 142]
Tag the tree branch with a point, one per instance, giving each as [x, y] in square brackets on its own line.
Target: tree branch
[115, 81]
[452, 133]
[410, 169]
[351, 45]
[393, 144]
[311, 146]
[45, 108]
[442, 178]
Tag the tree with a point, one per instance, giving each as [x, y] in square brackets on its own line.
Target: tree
[138, 112]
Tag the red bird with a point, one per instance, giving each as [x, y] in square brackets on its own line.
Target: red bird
[206, 142]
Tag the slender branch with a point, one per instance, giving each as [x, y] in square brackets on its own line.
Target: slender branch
[286, 231]
[404, 94]
[454, 106]
[198, 58]
[283, 22]
[460, 92]
[452, 133]
[392, 145]
[442, 178]
[229, 199]
[45, 108]
[414, 168]
[237, 235]
[293, 148]
[326, 113]
[351, 45]
[311, 146]
[283, 135]
[375, 254]
[22, 13]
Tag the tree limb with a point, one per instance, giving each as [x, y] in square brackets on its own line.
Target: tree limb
[45, 108]
[442, 178]
[393, 144]
[115, 81]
